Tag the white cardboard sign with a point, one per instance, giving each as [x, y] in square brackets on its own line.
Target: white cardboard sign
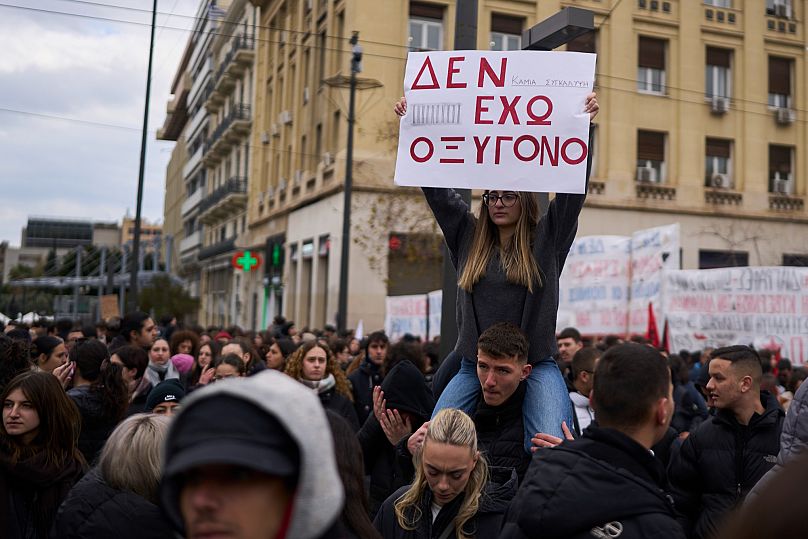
[506, 120]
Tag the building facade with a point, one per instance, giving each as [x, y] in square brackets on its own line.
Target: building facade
[702, 123]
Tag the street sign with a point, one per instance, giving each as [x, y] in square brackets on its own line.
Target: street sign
[246, 261]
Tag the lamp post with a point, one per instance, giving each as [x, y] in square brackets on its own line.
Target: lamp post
[133, 263]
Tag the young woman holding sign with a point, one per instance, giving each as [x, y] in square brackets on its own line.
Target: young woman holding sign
[508, 260]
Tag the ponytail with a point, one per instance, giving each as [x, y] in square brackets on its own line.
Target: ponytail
[113, 390]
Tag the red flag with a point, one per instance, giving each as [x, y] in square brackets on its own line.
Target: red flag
[666, 345]
[651, 333]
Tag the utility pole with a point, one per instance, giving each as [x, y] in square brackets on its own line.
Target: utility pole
[356, 67]
[465, 38]
[133, 285]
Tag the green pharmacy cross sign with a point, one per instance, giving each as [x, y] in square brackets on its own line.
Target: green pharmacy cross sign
[246, 261]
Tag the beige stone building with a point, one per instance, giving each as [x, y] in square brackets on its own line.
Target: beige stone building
[702, 123]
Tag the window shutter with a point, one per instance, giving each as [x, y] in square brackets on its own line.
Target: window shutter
[506, 24]
[650, 146]
[583, 43]
[718, 57]
[652, 53]
[718, 148]
[779, 75]
[780, 159]
[426, 11]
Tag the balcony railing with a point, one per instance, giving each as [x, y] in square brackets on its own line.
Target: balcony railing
[234, 126]
[227, 199]
[218, 248]
[238, 58]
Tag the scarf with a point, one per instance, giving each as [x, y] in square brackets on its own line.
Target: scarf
[320, 386]
[157, 373]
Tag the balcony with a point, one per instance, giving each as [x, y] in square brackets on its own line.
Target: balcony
[723, 19]
[237, 60]
[219, 248]
[226, 200]
[191, 202]
[786, 203]
[659, 11]
[234, 128]
[189, 169]
[655, 191]
[718, 197]
[190, 242]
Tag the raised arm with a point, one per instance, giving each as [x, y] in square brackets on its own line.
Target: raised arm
[452, 214]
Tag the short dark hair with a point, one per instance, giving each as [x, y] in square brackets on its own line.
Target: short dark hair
[584, 360]
[784, 364]
[133, 322]
[234, 361]
[378, 336]
[570, 333]
[742, 356]
[504, 340]
[133, 357]
[629, 379]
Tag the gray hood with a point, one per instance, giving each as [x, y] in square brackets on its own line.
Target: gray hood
[319, 497]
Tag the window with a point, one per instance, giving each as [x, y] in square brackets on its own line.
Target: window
[584, 43]
[709, 259]
[650, 156]
[426, 27]
[651, 70]
[718, 77]
[780, 82]
[780, 8]
[795, 260]
[717, 163]
[718, 3]
[781, 178]
[506, 33]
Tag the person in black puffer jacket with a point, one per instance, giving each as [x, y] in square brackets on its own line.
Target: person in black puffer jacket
[609, 478]
[470, 500]
[117, 499]
[406, 392]
[720, 462]
[314, 366]
[368, 374]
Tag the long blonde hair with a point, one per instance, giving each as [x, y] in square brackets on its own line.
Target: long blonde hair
[452, 427]
[294, 368]
[516, 256]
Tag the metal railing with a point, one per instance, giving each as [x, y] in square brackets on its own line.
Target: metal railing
[237, 185]
[218, 248]
[237, 112]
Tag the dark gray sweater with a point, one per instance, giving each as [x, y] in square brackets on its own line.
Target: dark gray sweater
[497, 300]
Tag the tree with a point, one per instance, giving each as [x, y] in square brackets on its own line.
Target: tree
[162, 297]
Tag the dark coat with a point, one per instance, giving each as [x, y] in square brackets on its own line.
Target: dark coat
[363, 380]
[603, 481]
[96, 421]
[405, 390]
[341, 406]
[690, 409]
[501, 432]
[498, 493]
[94, 510]
[720, 462]
[30, 494]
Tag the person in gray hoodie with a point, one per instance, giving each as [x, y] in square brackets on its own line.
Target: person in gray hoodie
[237, 444]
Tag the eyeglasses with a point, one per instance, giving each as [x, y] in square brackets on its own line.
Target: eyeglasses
[508, 199]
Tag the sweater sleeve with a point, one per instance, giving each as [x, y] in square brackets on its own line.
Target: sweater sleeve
[564, 209]
[452, 214]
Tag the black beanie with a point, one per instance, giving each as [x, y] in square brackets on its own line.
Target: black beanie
[170, 390]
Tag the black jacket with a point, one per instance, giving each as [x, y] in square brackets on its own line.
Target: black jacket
[498, 493]
[405, 390]
[592, 487]
[720, 462]
[363, 380]
[93, 510]
[341, 406]
[97, 423]
[501, 432]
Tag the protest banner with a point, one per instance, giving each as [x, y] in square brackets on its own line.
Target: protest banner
[653, 251]
[721, 307]
[485, 119]
[594, 286]
[435, 304]
[109, 306]
[405, 314]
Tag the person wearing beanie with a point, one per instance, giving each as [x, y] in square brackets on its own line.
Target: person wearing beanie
[165, 397]
[183, 362]
[218, 475]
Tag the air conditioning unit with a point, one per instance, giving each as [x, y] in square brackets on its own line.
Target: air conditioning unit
[782, 185]
[719, 105]
[285, 117]
[720, 181]
[264, 137]
[785, 116]
[305, 95]
[646, 174]
[298, 178]
[328, 159]
[275, 130]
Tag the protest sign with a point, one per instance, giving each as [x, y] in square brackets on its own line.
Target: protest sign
[653, 251]
[728, 306]
[435, 300]
[594, 286]
[507, 120]
[405, 314]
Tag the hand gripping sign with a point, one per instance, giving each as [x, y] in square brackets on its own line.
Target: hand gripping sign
[496, 120]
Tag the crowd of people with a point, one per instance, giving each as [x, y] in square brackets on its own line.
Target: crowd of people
[107, 431]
